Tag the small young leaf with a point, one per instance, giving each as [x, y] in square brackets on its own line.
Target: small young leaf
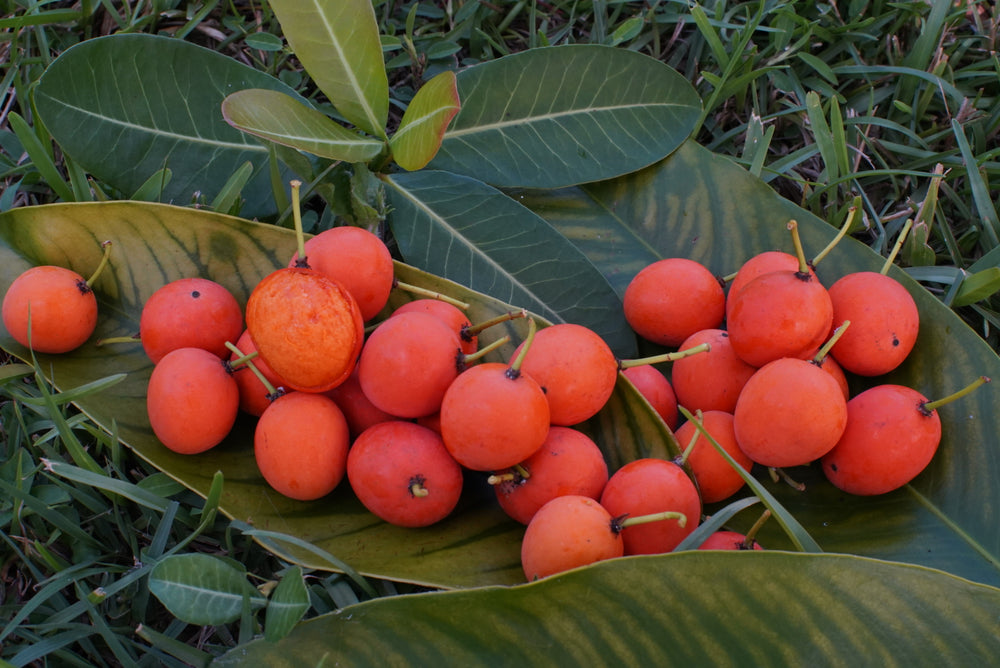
[419, 135]
[201, 589]
[978, 287]
[288, 603]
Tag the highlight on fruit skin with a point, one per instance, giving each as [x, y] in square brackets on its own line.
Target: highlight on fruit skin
[56, 304]
[190, 313]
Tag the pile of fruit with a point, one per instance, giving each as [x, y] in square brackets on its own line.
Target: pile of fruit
[406, 408]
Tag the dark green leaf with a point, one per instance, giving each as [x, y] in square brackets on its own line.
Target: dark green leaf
[288, 603]
[978, 286]
[202, 589]
[558, 116]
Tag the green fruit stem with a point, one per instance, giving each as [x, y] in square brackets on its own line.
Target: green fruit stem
[931, 406]
[780, 474]
[516, 474]
[483, 352]
[682, 459]
[828, 346]
[135, 338]
[751, 535]
[103, 263]
[475, 330]
[897, 246]
[247, 359]
[844, 229]
[514, 370]
[665, 357]
[793, 227]
[302, 261]
[430, 294]
[623, 522]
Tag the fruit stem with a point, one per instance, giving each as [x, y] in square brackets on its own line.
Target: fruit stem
[665, 357]
[897, 246]
[100, 267]
[424, 292]
[517, 474]
[417, 489]
[682, 459]
[465, 360]
[272, 392]
[828, 346]
[780, 474]
[929, 407]
[302, 261]
[793, 227]
[514, 370]
[841, 233]
[134, 338]
[623, 522]
[474, 330]
[751, 535]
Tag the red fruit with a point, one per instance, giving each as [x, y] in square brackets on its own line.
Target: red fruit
[300, 445]
[402, 473]
[568, 462]
[190, 313]
[307, 327]
[790, 413]
[884, 322]
[61, 307]
[656, 389]
[575, 368]
[728, 540]
[359, 411]
[192, 400]
[453, 316]
[889, 439]
[671, 299]
[493, 417]
[358, 260]
[762, 263]
[646, 487]
[713, 380]
[567, 532]
[254, 396]
[716, 479]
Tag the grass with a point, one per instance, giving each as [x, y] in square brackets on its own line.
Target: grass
[894, 106]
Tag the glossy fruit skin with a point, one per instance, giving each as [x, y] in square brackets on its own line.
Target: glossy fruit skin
[358, 260]
[453, 316]
[710, 381]
[779, 314]
[190, 312]
[568, 462]
[408, 363]
[884, 323]
[567, 532]
[888, 441]
[300, 444]
[63, 309]
[728, 540]
[717, 481]
[761, 263]
[657, 390]
[192, 400]
[490, 421]
[307, 327]
[790, 413]
[254, 398]
[389, 458]
[575, 368]
[360, 412]
[647, 486]
[671, 299]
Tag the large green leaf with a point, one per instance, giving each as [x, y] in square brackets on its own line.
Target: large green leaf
[703, 206]
[125, 106]
[419, 135]
[338, 44]
[684, 609]
[156, 243]
[283, 119]
[557, 116]
[464, 230]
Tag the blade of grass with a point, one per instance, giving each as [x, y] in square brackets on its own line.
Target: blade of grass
[40, 158]
[980, 192]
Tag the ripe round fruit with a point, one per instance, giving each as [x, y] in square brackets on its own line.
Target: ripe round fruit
[300, 445]
[762, 263]
[402, 473]
[61, 306]
[656, 389]
[567, 532]
[890, 438]
[359, 411]
[671, 299]
[453, 316]
[307, 327]
[575, 368]
[190, 313]
[492, 419]
[884, 322]
[728, 540]
[717, 480]
[254, 397]
[568, 462]
[647, 486]
[790, 413]
[713, 380]
[192, 400]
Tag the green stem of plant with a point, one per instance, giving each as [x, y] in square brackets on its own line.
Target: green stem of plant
[518, 472]
[474, 330]
[751, 535]
[430, 294]
[780, 474]
[931, 406]
[897, 246]
[625, 522]
[665, 357]
[103, 263]
[484, 351]
[682, 460]
[247, 359]
[828, 346]
[297, 219]
[841, 233]
[514, 370]
[793, 227]
[118, 339]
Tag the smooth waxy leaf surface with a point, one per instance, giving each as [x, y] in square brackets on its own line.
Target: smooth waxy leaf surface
[126, 106]
[419, 135]
[339, 47]
[154, 244]
[684, 609]
[558, 116]
[283, 119]
[464, 230]
[202, 589]
[702, 206]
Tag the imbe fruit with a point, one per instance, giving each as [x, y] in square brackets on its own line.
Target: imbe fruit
[567, 532]
[713, 380]
[716, 479]
[307, 327]
[453, 316]
[656, 389]
[254, 396]
[789, 413]
[729, 540]
[762, 263]
[671, 299]
[403, 474]
[360, 412]
[190, 313]
[192, 400]
[300, 445]
[568, 462]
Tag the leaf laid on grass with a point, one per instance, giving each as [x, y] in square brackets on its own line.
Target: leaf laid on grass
[287, 604]
[419, 135]
[202, 589]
